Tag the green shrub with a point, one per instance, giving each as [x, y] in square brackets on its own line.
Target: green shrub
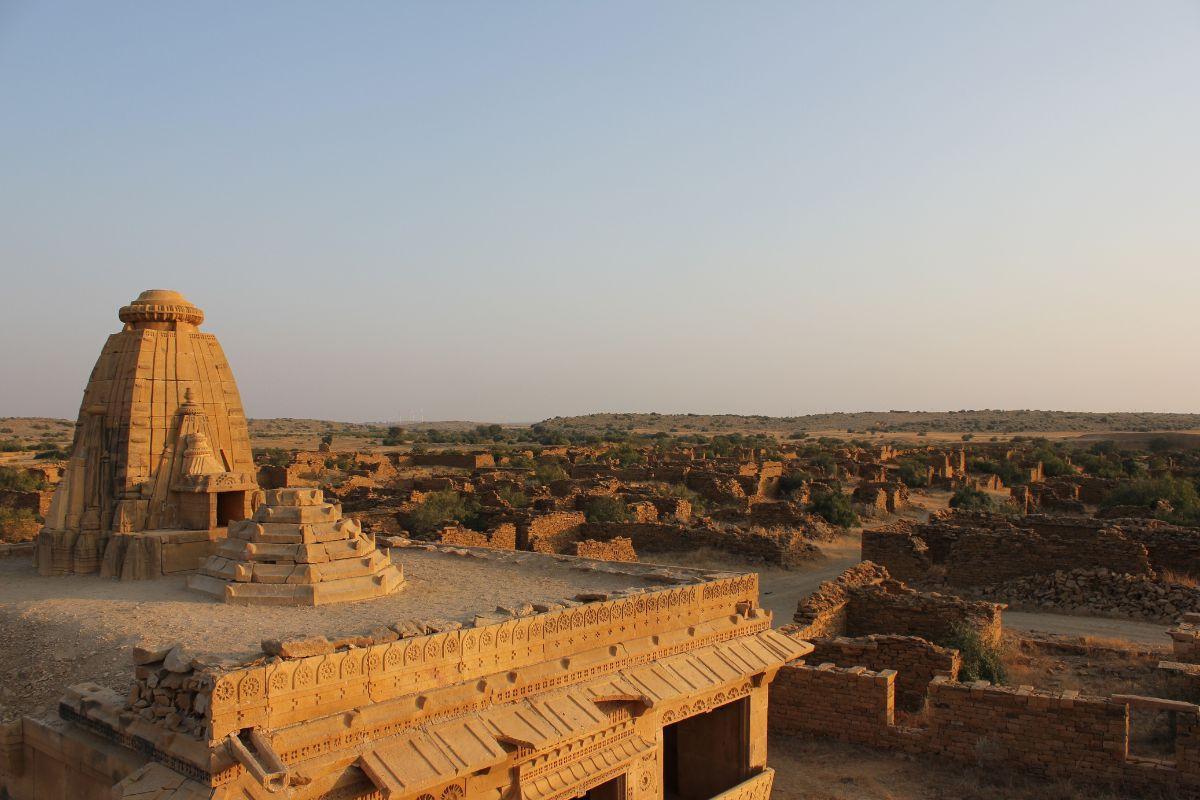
[395, 435]
[17, 524]
[1010, 473]
[914, 473]
[16, 480]
[980, 661]
[626, 454]
[698, 503]
[442, 508]
[273, 456]
[968, 498]
[520, 461]
[835, 508]
[825, 462]
[513, 496]
[1181, 494]
[546, 473]
[607, 509]
[793, 481]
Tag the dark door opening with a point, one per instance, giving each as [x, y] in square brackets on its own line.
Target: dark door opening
[609, 790]
[706, 754]
[231, 506]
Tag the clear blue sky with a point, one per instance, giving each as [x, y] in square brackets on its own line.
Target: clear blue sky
[507, 211]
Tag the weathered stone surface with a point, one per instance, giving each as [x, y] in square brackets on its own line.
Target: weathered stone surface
[161, 445]
[177, 661]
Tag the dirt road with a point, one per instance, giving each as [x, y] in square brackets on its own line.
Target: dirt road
[1146, 633]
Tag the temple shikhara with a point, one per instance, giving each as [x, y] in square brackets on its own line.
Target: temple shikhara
[457, 672]
[161, 463]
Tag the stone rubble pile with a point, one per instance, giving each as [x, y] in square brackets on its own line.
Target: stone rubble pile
[1099, 592]
[169, 689]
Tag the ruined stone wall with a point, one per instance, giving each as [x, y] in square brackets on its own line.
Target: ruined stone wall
[1053, 734]
[864, 600]
[555, 532]
[916, 661]
[1060, 735]
[848, 704]
[457, 460]
[618, 548]
[1099, 592]
[1185, 640]
[36, 501]
[823, 613]
[899, 549]
[985, 556]
[503, 536]
[783, 546]
[979, 549]
[892, 607]
[779, 514]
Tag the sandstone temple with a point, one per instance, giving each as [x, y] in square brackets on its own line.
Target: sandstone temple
[161, 463]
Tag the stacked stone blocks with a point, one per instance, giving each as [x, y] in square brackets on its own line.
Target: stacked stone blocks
[297, 550]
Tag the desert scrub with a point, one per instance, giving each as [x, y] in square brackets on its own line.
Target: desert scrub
[513, 496]
[834, 507]
[441, 508]
[14, 480]
[607, 509]
[981, 661]
[968, 498]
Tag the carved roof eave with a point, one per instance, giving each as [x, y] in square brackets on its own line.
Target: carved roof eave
[218, 482]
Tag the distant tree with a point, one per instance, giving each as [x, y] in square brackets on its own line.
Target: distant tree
[834, 507]
[1177, 494]
[273, 456]
[18, 480]
[513, 496]
[980, 660]
[968, 498]
[547, 472]
[395, 435]
[826, 463]
[441, 508]
[1159, 444]
[607, 509]
[792, 481]
[914, 472]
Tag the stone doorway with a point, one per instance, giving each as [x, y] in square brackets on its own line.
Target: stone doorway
[231, 506]
[609, 790]
[707, 754]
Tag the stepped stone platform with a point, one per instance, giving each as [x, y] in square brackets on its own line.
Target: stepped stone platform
[297, 550]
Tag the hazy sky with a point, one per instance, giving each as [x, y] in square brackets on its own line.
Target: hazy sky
[507, 211]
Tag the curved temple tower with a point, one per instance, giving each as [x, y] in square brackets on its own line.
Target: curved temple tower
[161, 462]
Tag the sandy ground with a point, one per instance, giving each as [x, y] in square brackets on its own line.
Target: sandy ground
[1144, 633]
[782, 589]
[779, 589]
[58, 631]
[818, 770]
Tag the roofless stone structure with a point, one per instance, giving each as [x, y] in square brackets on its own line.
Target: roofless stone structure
[161, 462]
